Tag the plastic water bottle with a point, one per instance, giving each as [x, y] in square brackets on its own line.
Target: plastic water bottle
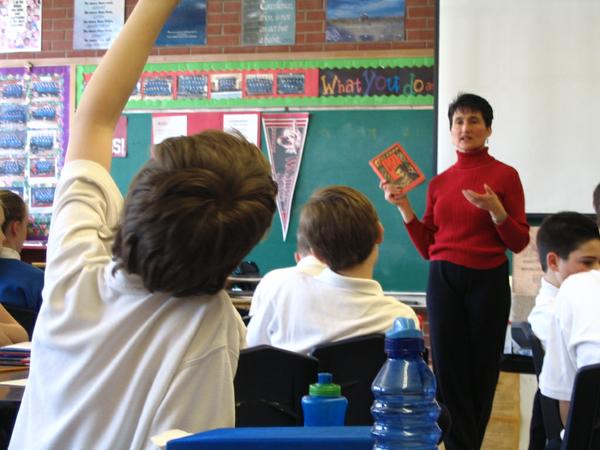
[405, 411]
[325, 405]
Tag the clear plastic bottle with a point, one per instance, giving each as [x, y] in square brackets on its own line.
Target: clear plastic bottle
[325, 405]
[404, 409]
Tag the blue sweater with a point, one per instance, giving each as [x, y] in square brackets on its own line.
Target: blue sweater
[20, 284]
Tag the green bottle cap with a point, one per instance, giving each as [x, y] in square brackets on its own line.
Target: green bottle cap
[324, 386]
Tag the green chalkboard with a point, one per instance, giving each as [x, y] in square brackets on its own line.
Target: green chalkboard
[338, 146]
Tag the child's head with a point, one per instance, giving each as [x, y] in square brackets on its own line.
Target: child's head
[14, 226]
[473, 103]
[194, 211]
[597, 203]
[341, 226]
[567, 243]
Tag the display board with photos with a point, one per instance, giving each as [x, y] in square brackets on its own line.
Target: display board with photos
[404, 81]
[34, 124]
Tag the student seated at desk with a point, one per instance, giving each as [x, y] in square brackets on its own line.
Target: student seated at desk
[343, 231]
[10, 330]
[567, 243]
[574, 338]
[136, 334]
[20, 283]
[272, 282]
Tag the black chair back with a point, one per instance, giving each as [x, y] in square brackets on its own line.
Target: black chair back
[354, 363]
[25, 316]
[269, 385]
[550, 410]
[583, 425]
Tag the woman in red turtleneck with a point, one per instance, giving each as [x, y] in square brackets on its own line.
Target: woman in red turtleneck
[475, 212]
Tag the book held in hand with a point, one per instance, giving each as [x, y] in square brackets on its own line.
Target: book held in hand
[393, 165]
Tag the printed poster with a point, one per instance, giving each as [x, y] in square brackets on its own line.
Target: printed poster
[527, 270]
[268, 22]
[119, 142]
[164, 127]
[285, 135]
[365, 21]
[245, 124]
[186, 26]
[20, 26]
[97, 23]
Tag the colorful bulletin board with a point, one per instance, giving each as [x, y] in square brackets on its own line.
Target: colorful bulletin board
[34, 131]
[265, 84]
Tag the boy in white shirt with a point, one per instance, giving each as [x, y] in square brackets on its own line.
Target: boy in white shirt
[574, 338]
[136, 334]
[271, 283]
[567, 243]
[343, 231]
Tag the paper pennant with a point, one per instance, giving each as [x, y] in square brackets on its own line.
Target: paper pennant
[285, 135]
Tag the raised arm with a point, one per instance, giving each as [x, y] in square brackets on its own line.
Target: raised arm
[111, 84]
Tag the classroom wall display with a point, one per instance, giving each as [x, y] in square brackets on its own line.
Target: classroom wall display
[20, 26]
[338, 82]
[186, 26]
[268, 22]
[285, 136]
[96, 24]
[338, 146]
[365, 21]
[34, 118]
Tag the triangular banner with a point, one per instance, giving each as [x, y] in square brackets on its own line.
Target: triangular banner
[285, 135]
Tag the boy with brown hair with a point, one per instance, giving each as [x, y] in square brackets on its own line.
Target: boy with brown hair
[343, 231]
[143, 338]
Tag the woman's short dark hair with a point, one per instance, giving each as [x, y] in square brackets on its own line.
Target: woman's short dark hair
[471, 102]
[341, 226]
[15, 208]
[194, 211]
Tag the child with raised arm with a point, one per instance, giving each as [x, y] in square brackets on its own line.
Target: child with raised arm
[136, 334]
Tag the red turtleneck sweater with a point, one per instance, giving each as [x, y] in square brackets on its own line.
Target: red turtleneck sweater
[454, 230]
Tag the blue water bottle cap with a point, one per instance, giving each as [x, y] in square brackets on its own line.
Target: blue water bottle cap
[404, 336]
[404, 327]
[324, 387]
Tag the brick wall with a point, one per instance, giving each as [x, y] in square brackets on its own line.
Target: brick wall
[223, 31]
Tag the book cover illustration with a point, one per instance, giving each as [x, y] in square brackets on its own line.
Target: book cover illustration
[394, 165]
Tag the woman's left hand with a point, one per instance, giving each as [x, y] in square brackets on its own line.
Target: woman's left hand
[488, 201]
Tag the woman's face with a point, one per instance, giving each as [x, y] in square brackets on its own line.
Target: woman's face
[469, 131]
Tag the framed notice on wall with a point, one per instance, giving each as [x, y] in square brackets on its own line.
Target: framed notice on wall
[268, 22]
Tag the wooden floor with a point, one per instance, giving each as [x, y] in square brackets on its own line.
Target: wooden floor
[504, 426]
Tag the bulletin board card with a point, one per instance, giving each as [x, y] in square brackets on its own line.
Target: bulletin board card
[404, 81]
[34, 131]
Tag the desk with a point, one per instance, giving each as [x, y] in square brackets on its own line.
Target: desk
[276, 438]
[12, 395]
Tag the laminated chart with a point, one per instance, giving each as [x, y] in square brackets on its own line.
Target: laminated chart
[34, 109]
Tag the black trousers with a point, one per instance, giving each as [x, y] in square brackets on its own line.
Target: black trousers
[468, 313]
